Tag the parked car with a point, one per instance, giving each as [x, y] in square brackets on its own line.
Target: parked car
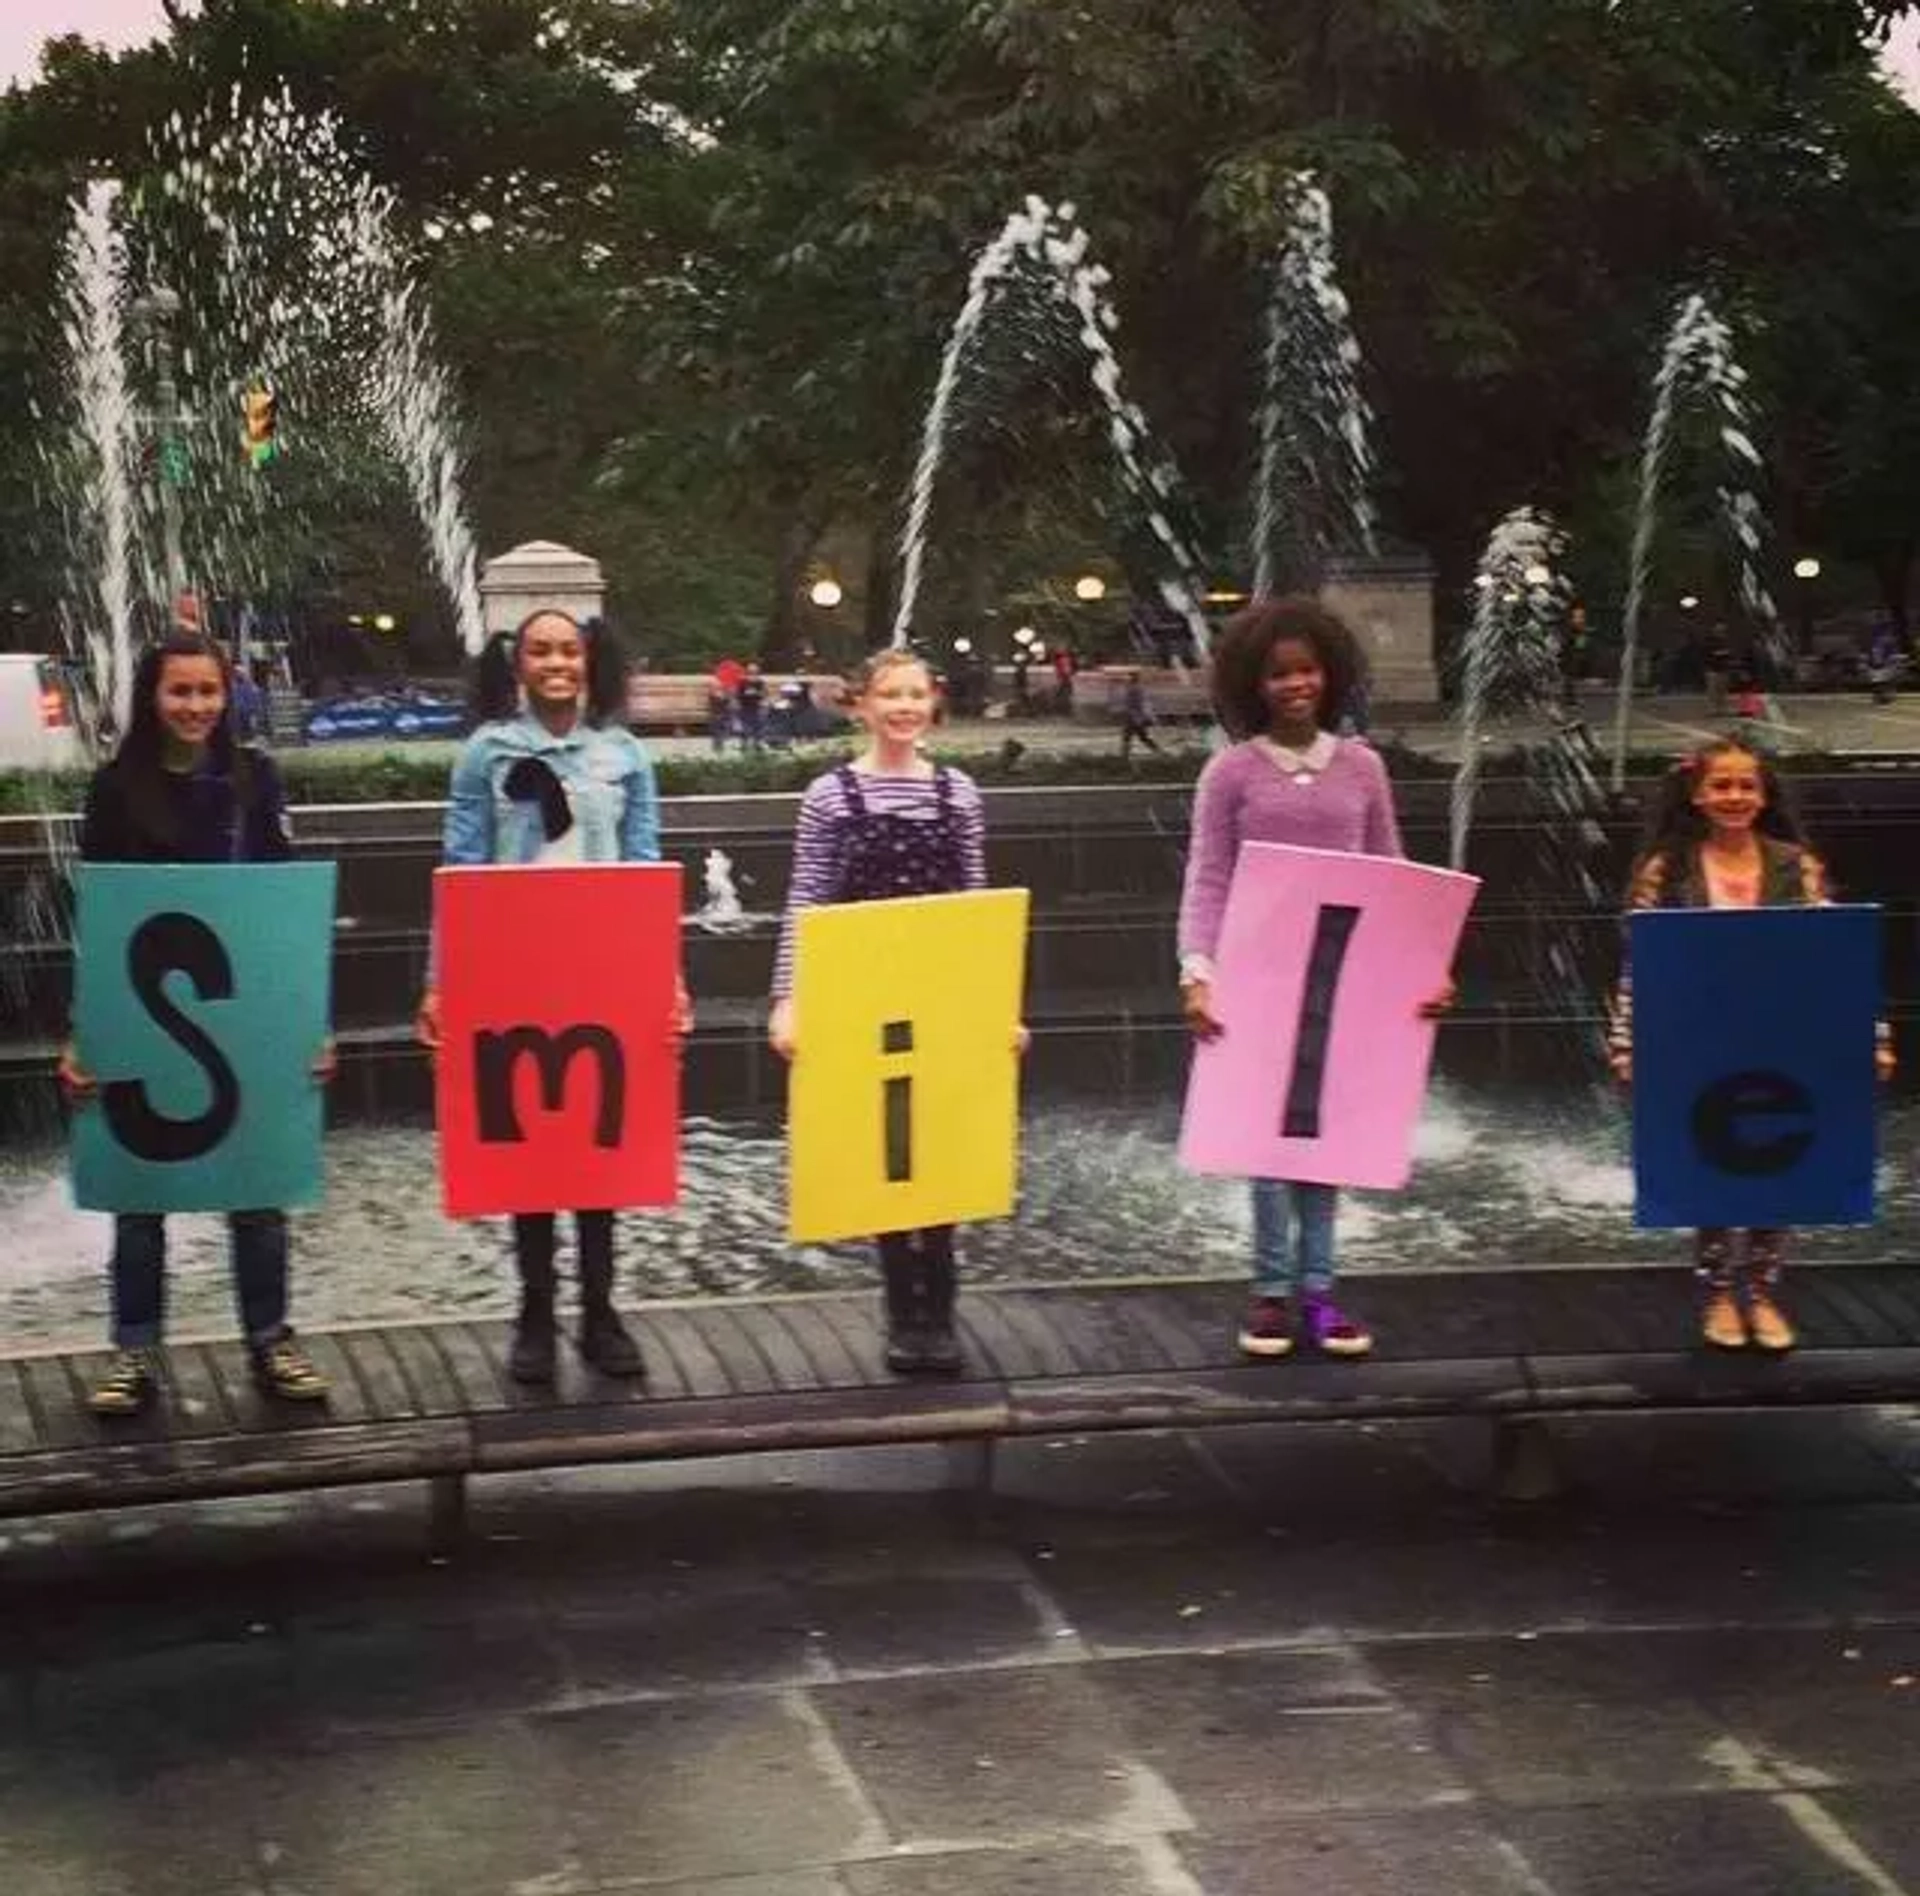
[383, 715]
[37, 727]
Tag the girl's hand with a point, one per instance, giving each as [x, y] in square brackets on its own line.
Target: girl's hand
[326, 1063]
[1022, 1040]
[1622, 1064]
[426, 1021]
[75, 1081]
[682, 1008]
[1441, 1003]
[1196, 1003]
[1884, 1063]
[780, 1029]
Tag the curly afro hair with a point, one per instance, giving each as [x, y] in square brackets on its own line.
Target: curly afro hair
[1240, 661]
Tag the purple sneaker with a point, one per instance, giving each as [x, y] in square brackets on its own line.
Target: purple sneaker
[1267, 1328]
[1324, 1326]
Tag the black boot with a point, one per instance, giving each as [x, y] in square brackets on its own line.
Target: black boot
[900, 1275]
[604, 1339]
[939, 1347]
[531, 1358]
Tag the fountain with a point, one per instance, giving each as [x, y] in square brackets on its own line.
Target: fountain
[1314, 487]
[291, 277]
[1043, 241]
[1512, 663]
[1697, 359]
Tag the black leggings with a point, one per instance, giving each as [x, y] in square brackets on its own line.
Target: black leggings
[931, 1245]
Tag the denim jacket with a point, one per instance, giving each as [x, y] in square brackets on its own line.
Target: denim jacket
[604, 771]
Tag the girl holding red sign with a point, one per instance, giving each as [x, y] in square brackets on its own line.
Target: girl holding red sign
[1286, 674]
[1724, 834]
[890, 823]
[181, 788]
[552, 775]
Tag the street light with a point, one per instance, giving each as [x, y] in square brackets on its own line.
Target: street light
[1089, 587]
[384, 622]
[1688, 601]
[825, 593]
[1808, 568]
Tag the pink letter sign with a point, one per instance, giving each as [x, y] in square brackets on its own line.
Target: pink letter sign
[1324, 960]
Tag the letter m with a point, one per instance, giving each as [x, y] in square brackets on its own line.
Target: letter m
[495, 1056]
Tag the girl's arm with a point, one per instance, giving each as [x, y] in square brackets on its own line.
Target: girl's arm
[640, 820]
[971, 813]
[1643, 892]
[272, 839]
[819, 859]
[1212, 844]
[467, 840]
[1815, 890]
[1383, 827]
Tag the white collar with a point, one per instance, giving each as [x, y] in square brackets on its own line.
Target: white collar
[1313, 759]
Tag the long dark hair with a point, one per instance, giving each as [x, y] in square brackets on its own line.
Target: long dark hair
[141, 756]
[1240, 662]
[1675, 829]
[496, 676]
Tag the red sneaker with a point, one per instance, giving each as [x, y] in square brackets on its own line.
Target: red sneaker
[1267, 1329]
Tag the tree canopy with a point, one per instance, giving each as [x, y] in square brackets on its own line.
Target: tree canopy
[692, 264]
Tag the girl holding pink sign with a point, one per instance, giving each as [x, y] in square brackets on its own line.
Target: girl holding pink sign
[1286, 672]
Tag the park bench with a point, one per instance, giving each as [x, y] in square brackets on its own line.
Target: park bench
[432, 1401]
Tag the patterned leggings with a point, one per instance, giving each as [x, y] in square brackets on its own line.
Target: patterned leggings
[1713, 1257]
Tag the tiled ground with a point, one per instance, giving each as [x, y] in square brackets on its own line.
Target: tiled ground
[1281, 1660]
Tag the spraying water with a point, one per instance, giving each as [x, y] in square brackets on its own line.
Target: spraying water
[1698, 359]
[1510, 658]
[105, 427]
[1044, 241]
[1315, 484]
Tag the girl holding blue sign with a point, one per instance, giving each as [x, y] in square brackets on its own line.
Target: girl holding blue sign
[1724, 835]
[181, 789]
[1286, 674]
[554, 776]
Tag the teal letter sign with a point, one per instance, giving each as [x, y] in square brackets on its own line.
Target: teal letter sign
[200, 1004]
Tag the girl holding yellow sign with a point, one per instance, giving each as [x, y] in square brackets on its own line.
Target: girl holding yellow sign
[890, 823]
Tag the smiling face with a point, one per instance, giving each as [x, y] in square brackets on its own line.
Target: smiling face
[552, 662]
[897, 705]
[1730, 792]
[189, 696]
[1293, 684]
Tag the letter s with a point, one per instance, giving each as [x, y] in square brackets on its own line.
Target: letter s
[158, 946]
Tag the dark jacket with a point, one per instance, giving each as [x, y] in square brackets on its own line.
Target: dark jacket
[204, 817]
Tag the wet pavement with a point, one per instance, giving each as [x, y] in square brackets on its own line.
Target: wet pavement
[1261, 1661]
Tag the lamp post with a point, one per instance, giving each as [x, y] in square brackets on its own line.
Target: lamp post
[1806, 570]
[154, 313]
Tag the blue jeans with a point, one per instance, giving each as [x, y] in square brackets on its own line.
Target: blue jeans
[1282, 1262]
[139, 1271]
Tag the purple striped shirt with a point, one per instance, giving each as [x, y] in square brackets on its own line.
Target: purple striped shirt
[825, 827]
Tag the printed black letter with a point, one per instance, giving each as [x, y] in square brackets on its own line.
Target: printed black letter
[494, 1058]
[1331, 934]
[157, 947]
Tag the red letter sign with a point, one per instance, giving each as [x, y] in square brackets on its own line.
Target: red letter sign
[559, 1078]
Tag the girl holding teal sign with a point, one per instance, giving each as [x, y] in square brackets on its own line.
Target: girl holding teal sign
[180, 789]
[553, 775]
[1724, 835]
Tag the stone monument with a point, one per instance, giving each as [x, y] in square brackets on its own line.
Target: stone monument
[537, 576]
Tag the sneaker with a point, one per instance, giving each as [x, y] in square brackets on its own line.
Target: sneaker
[939, 1350]
[127, 1386]
[1328, 1328]
[1769, 1325]
[1722, 1327]
[1267, 1329]
[282, 1368]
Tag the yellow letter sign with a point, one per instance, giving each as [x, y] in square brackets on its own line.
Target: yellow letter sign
[904, 1103]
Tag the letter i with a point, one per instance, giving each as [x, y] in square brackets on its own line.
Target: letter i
[896, 1036]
